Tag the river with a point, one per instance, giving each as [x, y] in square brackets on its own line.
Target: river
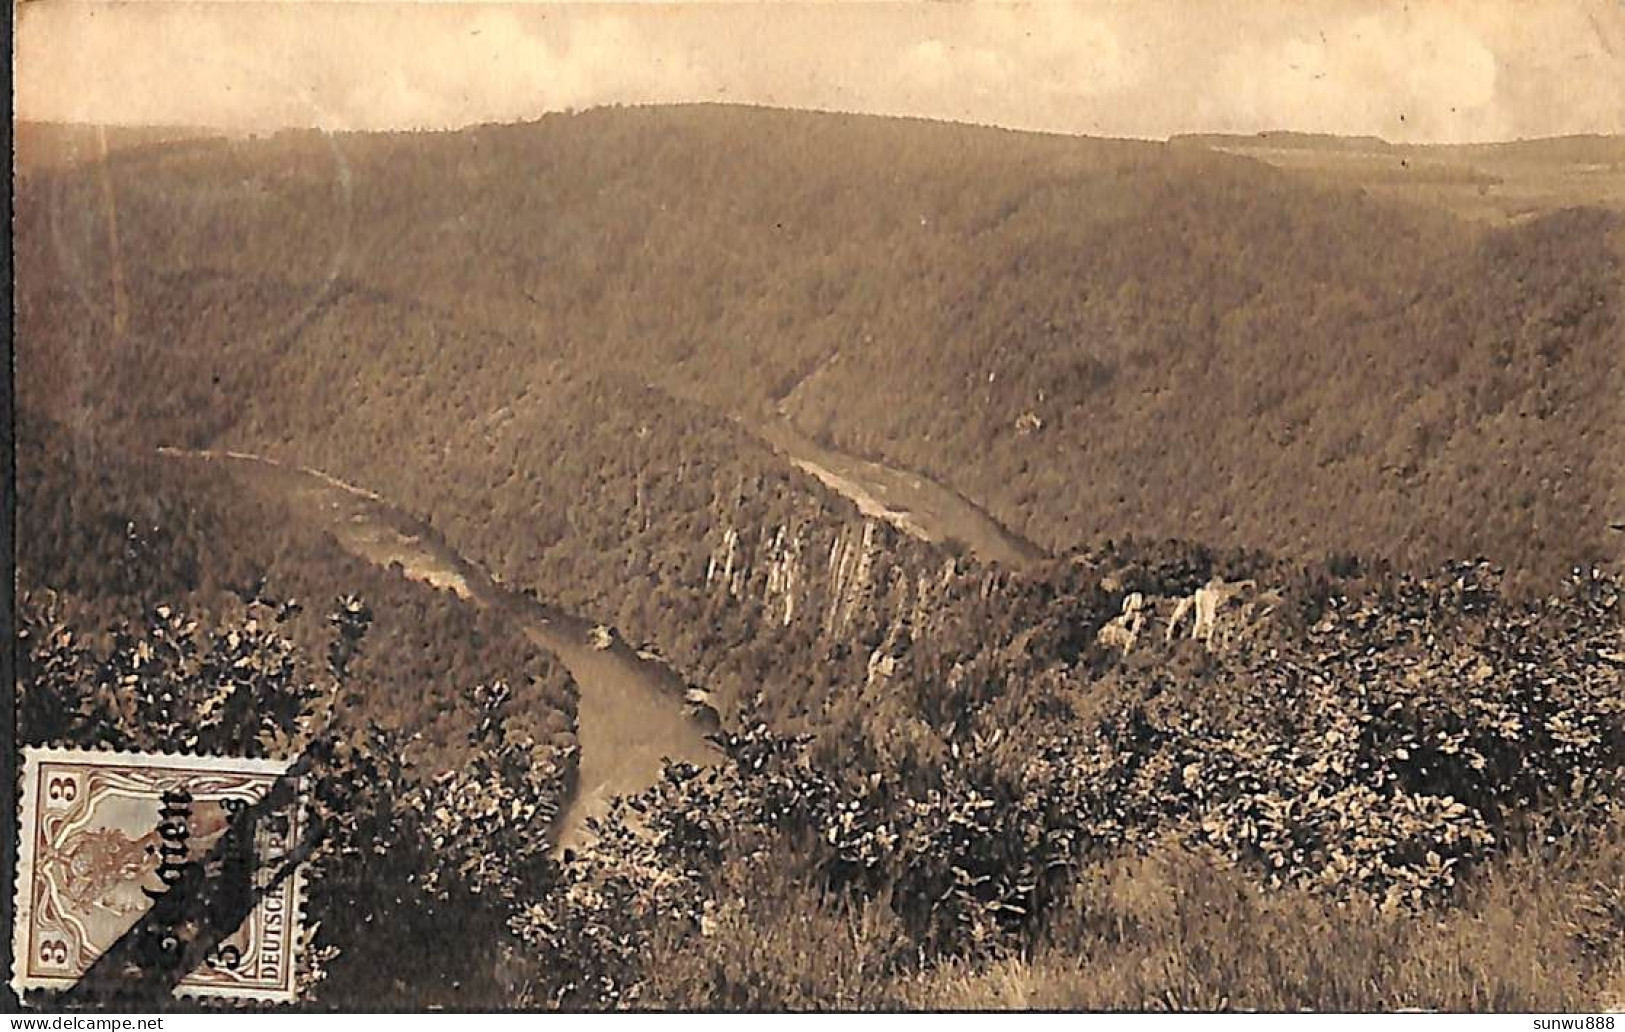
[631, 715]
[914, 504]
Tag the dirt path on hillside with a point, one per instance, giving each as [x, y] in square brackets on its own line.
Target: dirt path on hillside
[630, 716]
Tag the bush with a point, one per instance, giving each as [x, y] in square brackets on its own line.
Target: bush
[1395, 745]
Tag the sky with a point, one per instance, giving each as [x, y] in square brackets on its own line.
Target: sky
[1424, 71]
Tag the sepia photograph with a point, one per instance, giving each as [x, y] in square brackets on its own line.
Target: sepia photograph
[828, 507]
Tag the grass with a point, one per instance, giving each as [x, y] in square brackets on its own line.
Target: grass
[1540, 930]
[1170, 931]
[780, 944]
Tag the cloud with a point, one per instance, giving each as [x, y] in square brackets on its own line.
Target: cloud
[362, 67]
[1426, 70]
[932, 66]
[1424, 73]
[1041, 51]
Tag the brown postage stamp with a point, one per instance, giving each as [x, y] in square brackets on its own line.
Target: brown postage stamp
[104, 840]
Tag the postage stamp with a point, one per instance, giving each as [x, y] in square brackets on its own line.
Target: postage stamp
[104, 841]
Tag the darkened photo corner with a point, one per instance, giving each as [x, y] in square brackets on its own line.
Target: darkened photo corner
[827, 507]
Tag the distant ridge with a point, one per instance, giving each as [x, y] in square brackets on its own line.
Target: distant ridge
[1283, 138]
[41, 145]
[1574, 147]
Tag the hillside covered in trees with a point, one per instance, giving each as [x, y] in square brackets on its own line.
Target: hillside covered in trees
[1091, 338]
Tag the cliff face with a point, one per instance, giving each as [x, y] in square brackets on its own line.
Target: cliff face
[833, 579]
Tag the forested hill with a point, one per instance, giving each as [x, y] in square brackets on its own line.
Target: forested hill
[1090, 338]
